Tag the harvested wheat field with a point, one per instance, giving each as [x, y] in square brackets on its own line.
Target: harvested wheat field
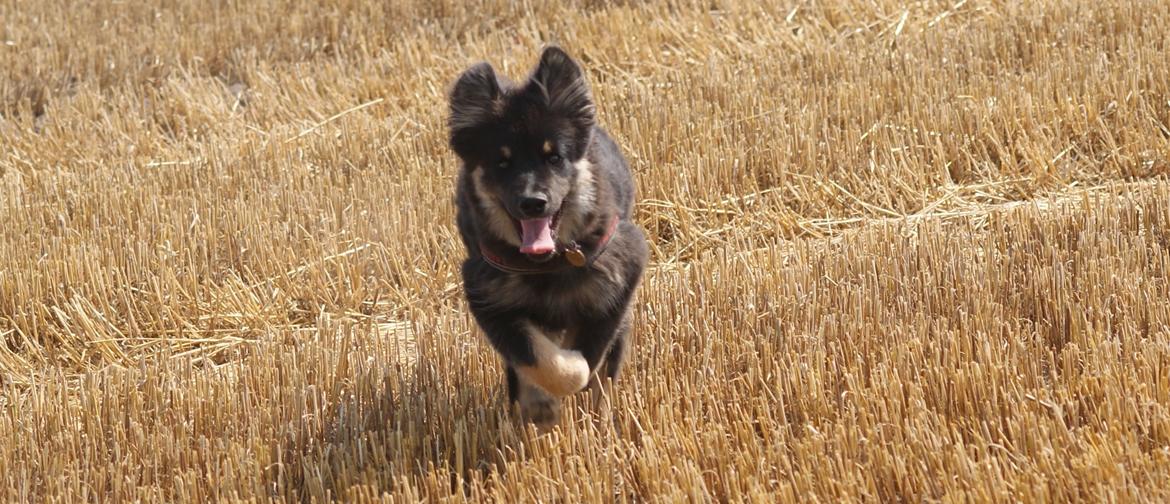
[900, 252]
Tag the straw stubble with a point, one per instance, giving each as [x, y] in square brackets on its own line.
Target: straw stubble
[899, 253]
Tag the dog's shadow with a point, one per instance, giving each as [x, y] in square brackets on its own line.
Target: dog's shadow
[415, 426]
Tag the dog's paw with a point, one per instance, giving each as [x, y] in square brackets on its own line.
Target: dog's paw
[600, 394]
[543, 411]
[557, 370]
[560, 374]
[572, 373]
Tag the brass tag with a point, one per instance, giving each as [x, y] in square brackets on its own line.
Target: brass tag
[575, 257]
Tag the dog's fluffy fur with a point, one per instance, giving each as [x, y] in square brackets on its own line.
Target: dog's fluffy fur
[555, 329]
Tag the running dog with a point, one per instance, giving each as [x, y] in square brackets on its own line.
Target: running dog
[543, 201]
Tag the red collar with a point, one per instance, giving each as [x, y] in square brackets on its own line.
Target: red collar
[515, 262]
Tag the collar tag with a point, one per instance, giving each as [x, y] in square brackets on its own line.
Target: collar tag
[574, 255]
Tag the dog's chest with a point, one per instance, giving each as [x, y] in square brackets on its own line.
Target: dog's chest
[562, 295]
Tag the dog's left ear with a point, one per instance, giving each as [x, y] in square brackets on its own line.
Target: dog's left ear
[474, 97]
[563, 86]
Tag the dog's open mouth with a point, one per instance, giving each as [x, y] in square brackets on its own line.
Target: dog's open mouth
[538, 236]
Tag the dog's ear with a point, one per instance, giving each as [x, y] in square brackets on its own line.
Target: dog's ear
[563, 86]
[475, 98]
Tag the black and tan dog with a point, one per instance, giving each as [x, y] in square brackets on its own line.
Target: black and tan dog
[544, 201]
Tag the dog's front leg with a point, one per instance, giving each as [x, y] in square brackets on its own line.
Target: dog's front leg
[603, 331]
[535, 359]
[539, 372]
[536, 405]
[559, 371]
[598, 333]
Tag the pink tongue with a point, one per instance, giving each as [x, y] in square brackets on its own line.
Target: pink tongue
[537, 237]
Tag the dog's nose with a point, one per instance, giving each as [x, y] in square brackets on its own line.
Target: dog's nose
[533, 206]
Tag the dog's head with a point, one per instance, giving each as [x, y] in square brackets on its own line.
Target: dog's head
[523, 143]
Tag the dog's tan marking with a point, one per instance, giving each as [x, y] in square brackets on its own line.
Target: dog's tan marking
[586, 187]
[506, 152]
[548, 147]
[582, 202]
[497, 218]
[558, 371]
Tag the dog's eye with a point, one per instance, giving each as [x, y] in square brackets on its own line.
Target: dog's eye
[554, 159]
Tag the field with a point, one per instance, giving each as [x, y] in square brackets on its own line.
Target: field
[900, 252]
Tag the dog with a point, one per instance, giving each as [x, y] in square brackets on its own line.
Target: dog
[544, 200]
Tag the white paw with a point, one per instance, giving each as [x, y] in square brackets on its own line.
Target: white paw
[560, 372]
[573, 373]
[557, 370]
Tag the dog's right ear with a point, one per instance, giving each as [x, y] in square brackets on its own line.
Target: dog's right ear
[475, 97]
[562, 83]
